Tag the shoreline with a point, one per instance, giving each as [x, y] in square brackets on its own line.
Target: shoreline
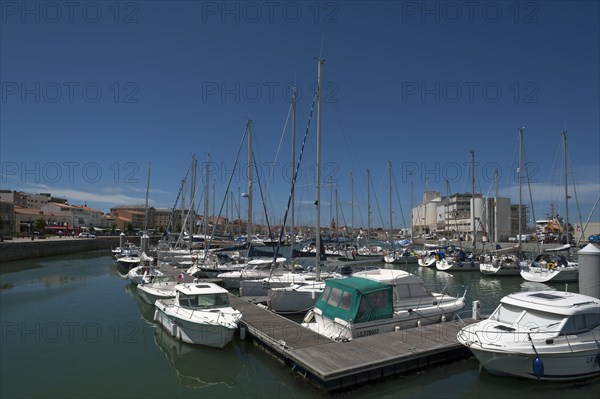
[25, 248]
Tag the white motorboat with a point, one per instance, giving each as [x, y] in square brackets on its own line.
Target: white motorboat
[126, 263]
[545, 269]
[545, 335]
[143, 273]
[256, 269]
[259, 287]
[161, 287]
[214, 264]
[377, 301]
[198, 314]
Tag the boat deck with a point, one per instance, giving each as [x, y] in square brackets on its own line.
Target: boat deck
[339, 365]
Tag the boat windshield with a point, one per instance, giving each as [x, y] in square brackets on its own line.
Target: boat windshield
[527, 318]
[206, 301]
[506, 314]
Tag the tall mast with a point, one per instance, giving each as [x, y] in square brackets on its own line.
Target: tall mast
[411, 209]
[146, 204]
[337, 200]
[496, 207]
[473, 198]
[390, 181]
[192, 199]
[181, 215]
[249, 225]
[368, 205]
[320, 62]
[206, 188]
[292, 236]
[352, 204]
[519, 177]
[564, 134]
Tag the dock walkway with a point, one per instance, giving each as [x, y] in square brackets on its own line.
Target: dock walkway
[339, 365]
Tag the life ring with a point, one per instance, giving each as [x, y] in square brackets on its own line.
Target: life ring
[550, 266]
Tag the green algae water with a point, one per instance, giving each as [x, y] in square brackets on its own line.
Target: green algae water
[71, 327]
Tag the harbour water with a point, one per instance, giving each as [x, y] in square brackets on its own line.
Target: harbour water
[71, 327]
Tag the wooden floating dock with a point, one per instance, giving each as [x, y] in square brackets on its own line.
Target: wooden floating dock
[340, 365]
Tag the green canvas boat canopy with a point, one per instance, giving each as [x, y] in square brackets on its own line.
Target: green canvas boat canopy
[356, 300]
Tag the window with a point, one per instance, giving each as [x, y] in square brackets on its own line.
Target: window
[326, 293]
[346, 301]
[373, 301]
[335, 297]
[506, 314]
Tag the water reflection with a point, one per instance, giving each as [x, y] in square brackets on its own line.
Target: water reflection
[200, 367]
[493, 386]
[146, 310]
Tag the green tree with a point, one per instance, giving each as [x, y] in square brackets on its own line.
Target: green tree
[39, 224]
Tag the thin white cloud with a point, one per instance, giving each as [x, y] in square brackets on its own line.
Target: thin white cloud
[85, 196]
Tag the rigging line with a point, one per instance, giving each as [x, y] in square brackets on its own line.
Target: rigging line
[528, 186]
[171, 216]
[362, 221]
[229, 183]
[342, 211]
[377, 203]
[574, 188]
[287, 209]
[272, 169]
[278, 149]
[398, 198]
[554, 171]
[187, 216]
[589, 217]
[262, 196]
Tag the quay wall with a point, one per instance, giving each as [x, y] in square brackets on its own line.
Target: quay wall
[20, 249]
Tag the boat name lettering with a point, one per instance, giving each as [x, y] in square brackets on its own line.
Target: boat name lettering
[368, 332]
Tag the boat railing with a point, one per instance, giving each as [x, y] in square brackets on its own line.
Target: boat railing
[496, 335]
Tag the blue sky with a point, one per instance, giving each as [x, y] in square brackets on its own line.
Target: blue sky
[93, 91]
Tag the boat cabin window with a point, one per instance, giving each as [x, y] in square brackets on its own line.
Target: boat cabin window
[580, 323]
[206, 301]
[346, 301]
[326, 293]
[410, 291]
[373, 301]
[541, 321]
[506, 314]
[188, 301]
[334, 297]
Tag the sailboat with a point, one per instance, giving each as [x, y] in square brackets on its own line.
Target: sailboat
[556, 269]
[458, 260]
[299, 297]
[507, 261]
[146, 269]
[400, 252]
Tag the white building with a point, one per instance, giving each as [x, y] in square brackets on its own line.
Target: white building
[451, 216]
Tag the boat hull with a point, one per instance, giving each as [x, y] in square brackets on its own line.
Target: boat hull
[544, 275]
[490, 269]
[457, 266]
[216, 336]
[292, 301]
[557, 366]
[344, 331]
[150, 296]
